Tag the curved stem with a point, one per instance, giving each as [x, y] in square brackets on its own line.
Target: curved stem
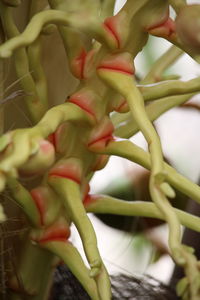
[132, 152]
[59, 114]
[129, 127]
[35, 107]
[159, 189]
[69, 192]
[69, 254]
[103, 204]
[171, 218]
[161, 64]
[34, 55]
[126, 86]
[37, 23]
[30, 268]
[169, 88]
[24, 200]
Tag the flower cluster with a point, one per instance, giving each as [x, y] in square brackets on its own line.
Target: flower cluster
[71, 141]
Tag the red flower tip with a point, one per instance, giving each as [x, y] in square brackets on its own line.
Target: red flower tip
[118, 62]
[101, 134]
[69, 168]
[78, 63]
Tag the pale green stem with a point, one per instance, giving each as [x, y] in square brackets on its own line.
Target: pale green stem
[177, 4]
[35, 108]
[165, 61]
[169, 88]
[69, 191]
[125, 124]
[24, 200]
[43, 18]
[35, 65]
[125, 85]
[32, 31]
[132, 152]
[71, 197]
[171, 218]
[188, 287]
[34, 56]
[69, 254]
[103, 204]
[137, 108]
[35, 269]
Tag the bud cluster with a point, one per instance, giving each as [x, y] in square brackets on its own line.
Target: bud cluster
[71, 141]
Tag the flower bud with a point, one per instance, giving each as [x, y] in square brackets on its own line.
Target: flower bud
[89, 101]
[77, 64]
[47, 204]
[122, 63]
[58, 231]
[70, 168]
[117, 29]
[39, 161]
[100, 162]
[62, 138]
[166, 29]
[101, 135]
[120, 105]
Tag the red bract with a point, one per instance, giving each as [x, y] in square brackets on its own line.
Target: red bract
[59, 231]
[61, 138]
[118, 62]
[100, 162]
[69, 168]
[117, 29]
[88, 101]
[47, 204]
[78, 63]
[101, 134]
[40, 203]
[122, 106]
[89, 199]
[52, 139]
[166, 29]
